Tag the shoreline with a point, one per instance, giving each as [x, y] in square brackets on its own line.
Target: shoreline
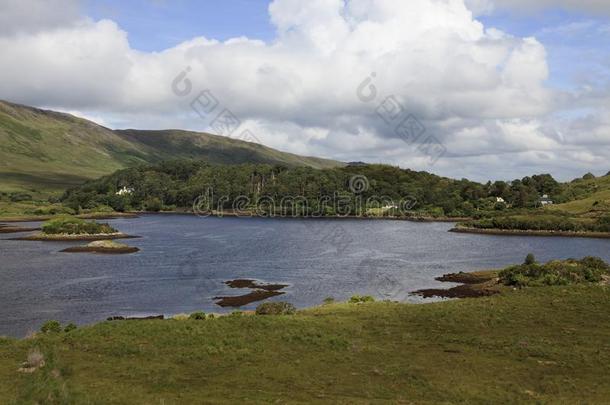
[474, 284]
[103, 250]
[333, 217]
[5, 229]
[519, 232]
[79, 237]
[40, 218]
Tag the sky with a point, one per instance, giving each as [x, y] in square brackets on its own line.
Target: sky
[478, 89]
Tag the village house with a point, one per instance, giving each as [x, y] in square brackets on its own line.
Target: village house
[124, 191]
[545, 200]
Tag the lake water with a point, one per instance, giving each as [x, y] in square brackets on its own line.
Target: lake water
[185, 260]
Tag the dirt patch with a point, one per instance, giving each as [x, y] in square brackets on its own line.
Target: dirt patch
[243, 283]
[474, 285]
[241, 300]
[468, 278]
[261, 292]
[143, 318]
[461, 291]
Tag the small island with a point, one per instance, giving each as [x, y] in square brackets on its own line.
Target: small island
[69, 228]
[103, 246]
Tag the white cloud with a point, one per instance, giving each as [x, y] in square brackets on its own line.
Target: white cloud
[28, 16]
[480, 7]
[481, 91]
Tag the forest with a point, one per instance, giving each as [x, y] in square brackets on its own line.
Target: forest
[361, 188]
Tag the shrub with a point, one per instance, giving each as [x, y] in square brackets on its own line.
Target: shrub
[360, 299]
[19, 197]
[236, 314]
[51, 327]
[70, 327]
[275, 308]
[153, 204]
[500, 206]
[557, 272]
[530, 259]
[198, 316]
[329, 300]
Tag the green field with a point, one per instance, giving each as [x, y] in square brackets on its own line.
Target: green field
[538, 345]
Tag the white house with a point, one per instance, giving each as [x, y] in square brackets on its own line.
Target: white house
[124, 191]
[545, 200]
[500, 200]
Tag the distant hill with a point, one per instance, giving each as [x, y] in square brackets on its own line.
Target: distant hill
[45, 151]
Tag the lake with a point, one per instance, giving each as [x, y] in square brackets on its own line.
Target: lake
[185, 260]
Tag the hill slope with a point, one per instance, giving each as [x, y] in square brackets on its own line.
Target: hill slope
[43, 151]
[586, 197]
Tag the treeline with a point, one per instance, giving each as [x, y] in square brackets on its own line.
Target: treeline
[176, 184]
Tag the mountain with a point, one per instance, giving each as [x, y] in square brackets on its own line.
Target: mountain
[45, 151]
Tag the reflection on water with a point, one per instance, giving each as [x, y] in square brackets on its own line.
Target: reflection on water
[184, 261]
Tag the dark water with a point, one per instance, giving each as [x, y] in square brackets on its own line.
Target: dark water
[184, 261]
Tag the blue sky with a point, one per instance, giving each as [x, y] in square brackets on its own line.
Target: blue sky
[576, 43]
[154, 25]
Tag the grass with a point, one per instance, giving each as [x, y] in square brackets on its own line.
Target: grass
[34, 157]
[536, 345]
[14, 210]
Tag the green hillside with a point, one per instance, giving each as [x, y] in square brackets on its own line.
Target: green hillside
[590, 196]
[177, 144]
[46, 151]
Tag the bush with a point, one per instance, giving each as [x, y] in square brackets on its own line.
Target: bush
[557, 272]
[153, 204]
[275, 308]
[500, 206]
[329, 300]
[19, 197]
[530, 259]
[51, 327]
[70, 327]
[360, 299]
[198, 316]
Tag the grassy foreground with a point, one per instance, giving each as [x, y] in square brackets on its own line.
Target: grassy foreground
[536, 345]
